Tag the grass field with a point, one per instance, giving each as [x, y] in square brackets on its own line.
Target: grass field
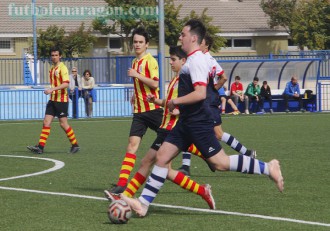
[71, 198]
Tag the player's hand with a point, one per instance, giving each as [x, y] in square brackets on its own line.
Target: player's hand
[175, 112]
[132, 72]
[151, 98]
[48, 91]
[170, 105]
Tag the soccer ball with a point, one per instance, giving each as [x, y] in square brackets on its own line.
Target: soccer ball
[119, 212]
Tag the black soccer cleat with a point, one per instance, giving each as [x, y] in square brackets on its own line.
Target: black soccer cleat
[74, 149]
[117, 189]
[35, 149]
[184, 170]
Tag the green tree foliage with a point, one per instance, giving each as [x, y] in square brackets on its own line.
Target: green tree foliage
[77, 42]
[124, 26]
[52, 36]
[307, 21]
[311, 25]
[280, 12]
[211, 29]
[121, 22]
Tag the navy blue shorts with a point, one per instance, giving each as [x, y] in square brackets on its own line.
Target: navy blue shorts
[201, 134]
[142, 121]
[216, 115]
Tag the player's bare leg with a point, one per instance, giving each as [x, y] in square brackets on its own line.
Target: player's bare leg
[139, 208]
[275, 174]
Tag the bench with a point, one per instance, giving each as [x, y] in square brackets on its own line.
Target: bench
[279, 104]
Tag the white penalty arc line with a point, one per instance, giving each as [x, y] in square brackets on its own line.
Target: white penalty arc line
[60, 164]
[177, 207]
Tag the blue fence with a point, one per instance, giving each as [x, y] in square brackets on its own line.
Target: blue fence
[113, 70]
[31, 103]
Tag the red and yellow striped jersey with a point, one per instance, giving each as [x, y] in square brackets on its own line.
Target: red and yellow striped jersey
[59, 75]
[169, 121]
[148, 67]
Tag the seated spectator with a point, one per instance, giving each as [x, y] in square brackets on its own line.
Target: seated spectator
[236, 93]
[88, 84]
[265, 94]
[253, 92]
[75, 87]
[224, 99]
[292, 91]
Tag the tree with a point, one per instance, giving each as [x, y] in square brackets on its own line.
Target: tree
[52, 36]
[211, 29]
[77, 42]
[280, 12]
[124, 26]
[310, 25]
[122, 19]
[306, 21]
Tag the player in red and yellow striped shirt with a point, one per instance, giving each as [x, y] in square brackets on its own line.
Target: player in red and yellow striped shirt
[146, 115]
[177, 59]
[57, 104]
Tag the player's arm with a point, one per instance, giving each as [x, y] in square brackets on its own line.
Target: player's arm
[152, 83]
[152, 99]
[221, 80]
[60, 87]
[197, 95]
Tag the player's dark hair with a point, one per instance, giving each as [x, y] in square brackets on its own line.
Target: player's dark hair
[237, 77]
[141, 31]
[255, 79]
[177, 50]
[208, 41]
[54, 49]
[197, 28]
[264, 82]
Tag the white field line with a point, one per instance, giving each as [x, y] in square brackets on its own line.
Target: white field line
[59, 164]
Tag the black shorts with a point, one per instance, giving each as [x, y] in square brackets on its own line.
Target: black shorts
[216, 115]
[201, 134]
[142, 121]
[161, 136]
[58, 109]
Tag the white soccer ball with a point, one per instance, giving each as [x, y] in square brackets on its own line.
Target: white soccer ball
[119, 212]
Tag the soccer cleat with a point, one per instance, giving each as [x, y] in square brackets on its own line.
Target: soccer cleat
[287, 110]
[117, 189]
[271, 111]
[139, 208]
[207, 196]
[253, 154]
[236, 113]
[247, 112]
[184, 170]
[74, 149]
[35, 149]
[111, 196]
[302, 110]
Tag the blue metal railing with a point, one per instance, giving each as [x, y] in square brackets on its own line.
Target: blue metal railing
[31, 103]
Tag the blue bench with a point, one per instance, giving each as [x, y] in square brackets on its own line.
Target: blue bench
[279, 104]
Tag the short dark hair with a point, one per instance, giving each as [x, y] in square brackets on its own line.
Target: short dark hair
[87, 71]
[177, 50]
[55, 48]
[256, 79]
[141, 31]
[264, 82]
[237, 77]
[197, 28]
[208, 41]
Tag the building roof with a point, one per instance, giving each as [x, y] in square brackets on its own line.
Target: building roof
[232, 16]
